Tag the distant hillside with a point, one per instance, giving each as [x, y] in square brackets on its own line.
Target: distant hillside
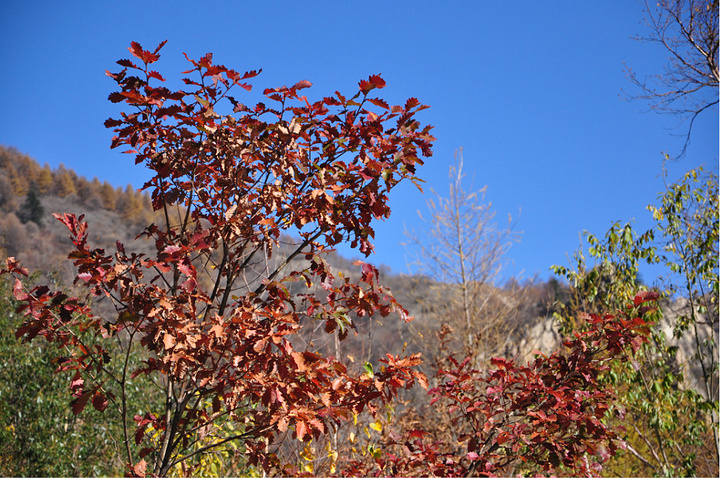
[518, 317]
[30, 193]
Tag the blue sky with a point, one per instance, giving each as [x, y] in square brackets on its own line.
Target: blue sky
[530, 90]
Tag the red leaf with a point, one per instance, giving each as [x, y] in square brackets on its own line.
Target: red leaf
[299, 361]
[502, 438]
[12, 265]
[140, 469]
[168, 341]
[417, 434]
[377, 81]
[86, 276]
[136, 49]
[251, 74]
[79, 403]
[318, 425]
[162, 44]
[171, 249]
[302, 84]
[146, 56]
[126, 63]
[77, 382]
[379, 102]
[111, 123]
[217, 330]
[501, 363]
[300, 430]
[187, 268]
[645, 296]
[116, 97]
[374, 81]
[156, 75]
[100, 402]
[411, 103]
[139, 435]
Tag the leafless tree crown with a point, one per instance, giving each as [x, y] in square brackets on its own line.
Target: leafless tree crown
[688, 85]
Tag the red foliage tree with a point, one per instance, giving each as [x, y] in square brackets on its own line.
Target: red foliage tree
[216, 310]
[546, 417]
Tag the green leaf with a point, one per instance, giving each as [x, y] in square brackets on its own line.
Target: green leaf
[369, 368]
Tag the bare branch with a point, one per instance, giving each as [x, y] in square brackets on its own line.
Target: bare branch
[463, 250]
[688, 31]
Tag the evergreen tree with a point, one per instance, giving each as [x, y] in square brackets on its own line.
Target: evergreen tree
[32, 209]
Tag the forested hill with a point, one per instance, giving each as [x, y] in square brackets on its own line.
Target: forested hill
[31, 193]
[40, 436]
[515, 319]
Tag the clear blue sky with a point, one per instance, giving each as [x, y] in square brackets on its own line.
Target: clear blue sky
[531, 90]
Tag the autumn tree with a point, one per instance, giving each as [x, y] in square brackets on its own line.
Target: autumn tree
[671, 390]
[671, 393]
[229, 180]
[19, 182]
[688, 31]
[44, 180]
[130, 204]
[544, 418]
[64, 182]
[108, 195]
[7, 196]
[462, 248]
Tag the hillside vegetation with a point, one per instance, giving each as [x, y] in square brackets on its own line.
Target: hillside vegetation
[29, 232]
[520, 319]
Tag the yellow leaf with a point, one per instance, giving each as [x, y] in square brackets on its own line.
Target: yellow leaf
[308, 453]
[377, 426]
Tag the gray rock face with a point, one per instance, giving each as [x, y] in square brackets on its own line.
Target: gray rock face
[542, 337]
[693, 345]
